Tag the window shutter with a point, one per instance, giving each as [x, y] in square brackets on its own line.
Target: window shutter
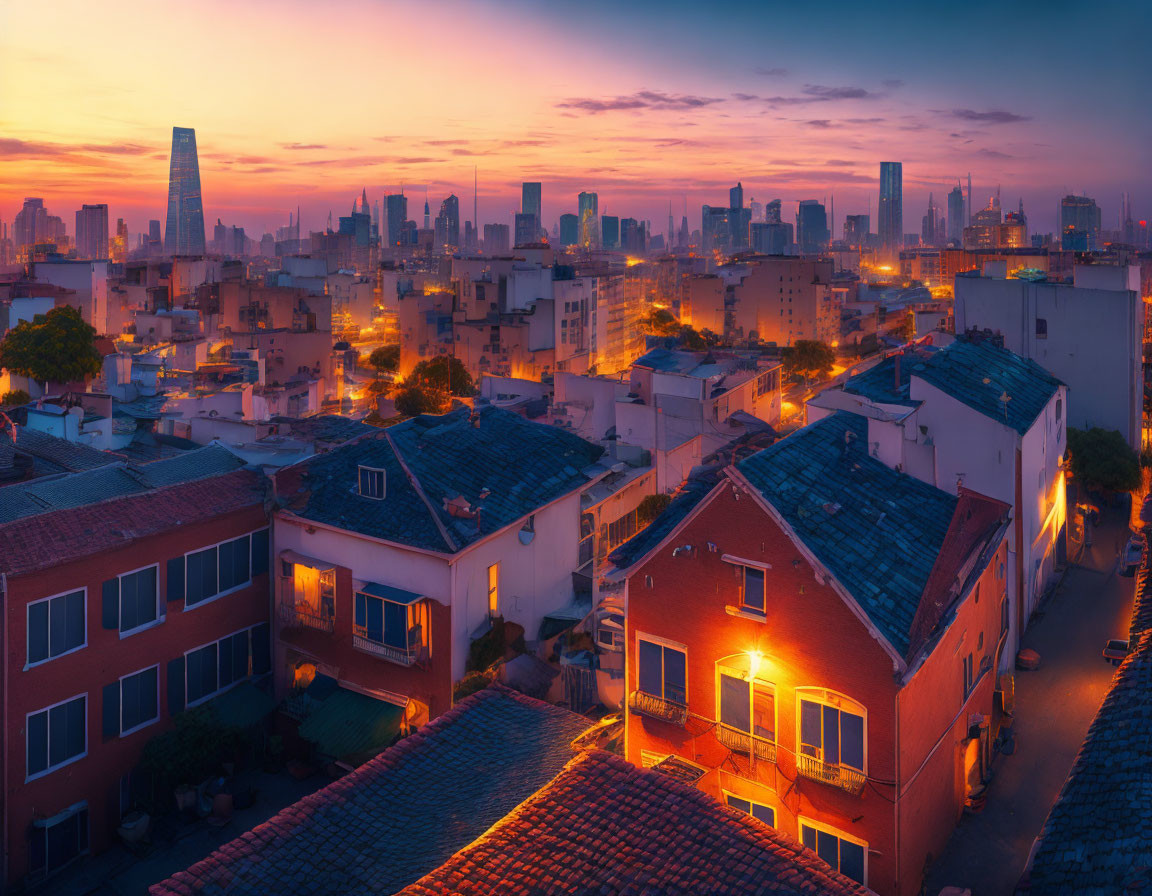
[110, 710]
[176, 685]
[259, 552]
[110, 618]
[174, 586]
[261, 649]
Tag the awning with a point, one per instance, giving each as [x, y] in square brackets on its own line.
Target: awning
[352, 727]
[302, 560]
[242, 706]
[387, 592]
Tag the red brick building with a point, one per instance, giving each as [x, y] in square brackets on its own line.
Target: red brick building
[817, 634]
[118, 614]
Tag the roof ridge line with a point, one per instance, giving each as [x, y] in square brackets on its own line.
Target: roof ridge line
[420, 492]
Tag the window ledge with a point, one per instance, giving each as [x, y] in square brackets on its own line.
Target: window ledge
[159, 620]
[745, 613]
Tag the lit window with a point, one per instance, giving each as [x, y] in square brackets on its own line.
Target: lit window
[494, 590]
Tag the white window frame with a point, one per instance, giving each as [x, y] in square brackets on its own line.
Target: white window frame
[234, 588]
[161, 605]
[830, 698]
[28, 628]
[64, 815]
[802, 820]
[363, 468]
[155, 718]
[663, 642]
[188, 704]
[733, 672]
[48, 743]
[725, 793]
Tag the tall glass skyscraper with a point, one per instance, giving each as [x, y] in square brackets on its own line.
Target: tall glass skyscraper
[891, 224]
[184, 229]
[588, 205]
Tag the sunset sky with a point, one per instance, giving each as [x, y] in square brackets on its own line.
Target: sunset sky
[305, 103]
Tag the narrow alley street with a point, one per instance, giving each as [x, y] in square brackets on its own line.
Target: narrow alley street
[1054, 707]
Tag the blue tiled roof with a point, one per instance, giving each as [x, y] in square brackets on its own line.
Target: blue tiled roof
[495, 461]
[877, 531]
[879, 383]
[112, 481]
[980, 373]
[402, 814]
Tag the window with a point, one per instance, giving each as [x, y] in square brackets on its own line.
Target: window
[134, 600]
[56, 626]
[969, 679]
[748, 706]
[831, 732]
[131, 703]
[663, 671]
[217, 666]
[390, 623]
[1041, 328]
[57, 736]
[1004, 614]
[752, 592]
[372, 483]
[224, 567]
[846, 854]
[58, 840]
[757, 810]
[494, 590]
[1059, 408]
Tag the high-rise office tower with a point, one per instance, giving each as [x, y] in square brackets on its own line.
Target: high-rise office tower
[184, 229]
[736, 196]
[1079, 223]
[395, 214]
[530, 203]
[527, 229]
[448, 223]
[928, 235]
[427, 215]
[812, 227]
[891, 211]
[610, 231]
[588, 212]
[772, 212]
[31, 224]
[956, 215]
[92, 231]
[856, 229]
[496, 239]
[569, 230]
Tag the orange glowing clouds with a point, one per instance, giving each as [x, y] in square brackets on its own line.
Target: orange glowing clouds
[305, 103]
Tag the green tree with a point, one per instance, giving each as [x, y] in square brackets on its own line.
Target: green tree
[691, 340]
[1102, 459]
[14, 399]
[809, 358]
[57, 347]
[414, 398]
[444, 373]
[385, 359]
[660, 322]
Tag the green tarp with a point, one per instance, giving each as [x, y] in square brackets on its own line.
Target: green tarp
[352, 727]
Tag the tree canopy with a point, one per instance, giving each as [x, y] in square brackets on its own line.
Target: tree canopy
[661, 322]
[444, 373]
[385, 359]
[1102, 459]
[58, 347]
[809, 358]
[413, 398]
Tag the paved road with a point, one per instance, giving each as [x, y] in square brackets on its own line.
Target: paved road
[1054, 707]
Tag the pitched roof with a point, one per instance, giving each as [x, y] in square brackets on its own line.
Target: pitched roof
[879, 383]
[52, 454]
[402, 814]
[114, 480]
[980, 374]
[50, 538]
[1096, 838]
[605, 826]
[496, 461]
[877, 531]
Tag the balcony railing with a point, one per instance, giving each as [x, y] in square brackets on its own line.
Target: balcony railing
[742, 742]
[658, 708]
[303, 616]
[841, 776]
[398, 655]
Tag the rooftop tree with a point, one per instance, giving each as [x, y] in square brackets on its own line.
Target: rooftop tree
[58, 347]
[1102, 459]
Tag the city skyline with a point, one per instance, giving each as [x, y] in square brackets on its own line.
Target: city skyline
[788, 111]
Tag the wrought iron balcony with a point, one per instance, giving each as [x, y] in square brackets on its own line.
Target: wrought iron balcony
[742, 742]
[304, 616]
[397, 655]
[658, 708]
[841, 776]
